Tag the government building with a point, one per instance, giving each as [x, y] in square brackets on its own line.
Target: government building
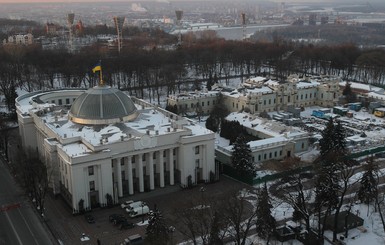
[101, 143]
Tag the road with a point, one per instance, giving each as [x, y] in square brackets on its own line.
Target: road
[18, 221]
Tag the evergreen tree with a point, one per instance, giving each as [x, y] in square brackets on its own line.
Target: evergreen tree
[326, 143]
[265, 223]
[348, 93]
[339, 139]
[157, 230]
[211, 124]
[368, 188]
[241, 157]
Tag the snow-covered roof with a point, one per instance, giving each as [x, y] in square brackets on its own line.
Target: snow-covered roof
[268, 127]
[151, 121]
[361, 86]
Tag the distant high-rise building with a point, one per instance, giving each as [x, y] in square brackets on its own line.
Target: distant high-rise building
[70, 22]
[312, 19]
[119, 21]
[243, 16]
[50, 28]
[324, 20]
[79, 28]
[179, 14]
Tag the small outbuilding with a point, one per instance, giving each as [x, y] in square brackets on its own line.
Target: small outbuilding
[352, 221]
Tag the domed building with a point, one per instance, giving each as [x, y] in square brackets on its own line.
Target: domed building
[101, 142]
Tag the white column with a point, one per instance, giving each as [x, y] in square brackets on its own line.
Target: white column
[171, 166]
[100, 183]
[205, 173]
[140, 173]
[161, 169]
[150, 167]
[130, 178]
[119, 176]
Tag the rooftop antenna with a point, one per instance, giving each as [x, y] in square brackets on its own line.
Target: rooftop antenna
[119, 21]
[179, 14]
[243, 15]
[70, 22]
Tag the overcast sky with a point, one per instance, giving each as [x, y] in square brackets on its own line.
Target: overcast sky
[72, 1]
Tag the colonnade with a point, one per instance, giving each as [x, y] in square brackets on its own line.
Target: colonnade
[154, 163]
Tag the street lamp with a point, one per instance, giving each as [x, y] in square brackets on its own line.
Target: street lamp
[142, 205]
[202, 190]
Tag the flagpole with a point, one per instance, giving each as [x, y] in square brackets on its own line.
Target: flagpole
[101, 77]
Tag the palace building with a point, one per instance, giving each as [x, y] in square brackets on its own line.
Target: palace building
[100, 142]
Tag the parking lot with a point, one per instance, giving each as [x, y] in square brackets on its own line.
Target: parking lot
[69, 229]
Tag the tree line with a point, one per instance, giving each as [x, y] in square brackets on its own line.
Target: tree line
[145, 72]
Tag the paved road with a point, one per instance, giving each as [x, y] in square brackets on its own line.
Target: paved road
[18, 222]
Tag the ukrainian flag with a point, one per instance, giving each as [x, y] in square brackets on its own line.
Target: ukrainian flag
[97, 67]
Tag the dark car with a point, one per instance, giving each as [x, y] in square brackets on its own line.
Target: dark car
[119, 220]
[114, 217]
[126, 225]
[89, 218]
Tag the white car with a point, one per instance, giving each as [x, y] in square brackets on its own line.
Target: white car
[126, 204]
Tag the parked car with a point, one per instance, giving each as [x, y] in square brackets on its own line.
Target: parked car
[134, 205]
[113, 217]
[134, 240]
[126, 225]
[119, 220]
[89, 218]
[139, 211]
[126, 204]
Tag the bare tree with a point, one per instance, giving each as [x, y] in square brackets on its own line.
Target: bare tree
[34, 177]
[241, 216]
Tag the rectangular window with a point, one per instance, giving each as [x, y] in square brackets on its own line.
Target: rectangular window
[269, 101]
[208, 103]
[164, 153]
[197, 149]
[60, 102]
[197, 163]
[91, 170]
[264, 156]
[154, 155]
[133, 159]
[92, 185]
[203, 103]
[174, 151]
[280, 153]
[270, 155]
[322, 96]
[123, 175]
[53, 101]
[67, 101]
[288, 98]
[275, 154]
[144, 157]
[264, 102]
[259, 157]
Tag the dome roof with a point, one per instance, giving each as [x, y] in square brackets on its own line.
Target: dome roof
[102, 105]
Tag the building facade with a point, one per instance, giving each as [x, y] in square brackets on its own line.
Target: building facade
[100, 142]
[260, 94]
